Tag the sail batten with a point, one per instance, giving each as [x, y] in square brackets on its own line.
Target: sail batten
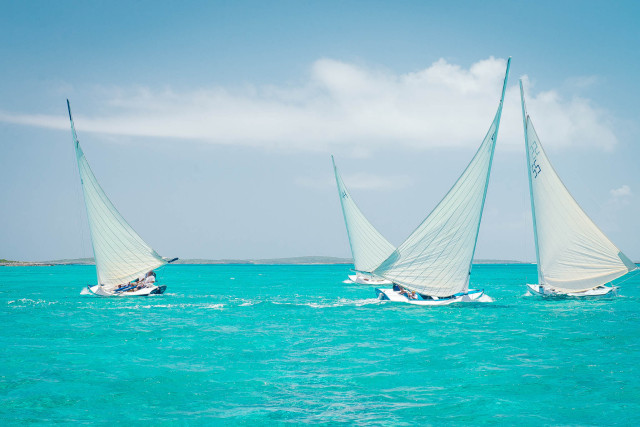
[368, 247]
[436, 258]
[120, 253]
[572, 253]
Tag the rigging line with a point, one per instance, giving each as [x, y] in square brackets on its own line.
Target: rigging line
[563, 186]
[114, 217]
[99, 191]
[109, 248]
[461, 183]
[444, 242]
[633, 274]
[523, 244]
[443, 204]
[452, 243]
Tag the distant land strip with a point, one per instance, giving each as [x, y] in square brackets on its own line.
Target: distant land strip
[303, 260]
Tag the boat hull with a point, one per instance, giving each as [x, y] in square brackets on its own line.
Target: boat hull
[102, 292]
[473, 295]
[543, 291]
[368, 280]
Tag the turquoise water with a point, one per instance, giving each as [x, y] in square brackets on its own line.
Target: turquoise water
[245, 344]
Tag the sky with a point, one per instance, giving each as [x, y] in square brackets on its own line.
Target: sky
[210, 125]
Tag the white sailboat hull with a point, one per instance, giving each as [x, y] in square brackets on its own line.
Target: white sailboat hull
[368, 280]
[544, 291]
[473, 295]
[102, 292]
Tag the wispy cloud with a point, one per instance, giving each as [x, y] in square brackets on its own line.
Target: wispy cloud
[574, 122]
[582, 82]
[621, 193]
[367, 181]
[359, 181]
[343, 104]
[619, 199]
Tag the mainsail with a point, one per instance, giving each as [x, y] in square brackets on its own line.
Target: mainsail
[120, 253]
[368, 247]
[436, 258]
[572, 253]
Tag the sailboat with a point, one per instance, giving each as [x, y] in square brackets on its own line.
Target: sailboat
[123, 259]
[368, 247]
[433, 266]
[574, 256]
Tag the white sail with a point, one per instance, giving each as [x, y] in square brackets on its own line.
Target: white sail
[368, 247]
[572, 253]
[436, 258]
[120, 253]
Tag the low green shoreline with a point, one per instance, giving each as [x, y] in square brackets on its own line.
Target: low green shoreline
[304, 260]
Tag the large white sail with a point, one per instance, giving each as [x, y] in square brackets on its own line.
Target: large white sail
[436, 258]
[572, 253]
[368, 247]
[120, 253]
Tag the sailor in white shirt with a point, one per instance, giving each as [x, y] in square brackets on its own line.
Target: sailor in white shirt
[150, 279]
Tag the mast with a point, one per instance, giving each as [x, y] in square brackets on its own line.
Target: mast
[525, 119]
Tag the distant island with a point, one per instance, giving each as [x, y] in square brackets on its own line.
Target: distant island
[77, 261]
[303, 260]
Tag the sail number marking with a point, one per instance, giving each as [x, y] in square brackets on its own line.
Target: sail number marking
[535, 168]
[534, 150]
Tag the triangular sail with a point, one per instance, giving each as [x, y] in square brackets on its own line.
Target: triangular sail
[436, 258]
[572, 253]
[120, 253]
[368, 247]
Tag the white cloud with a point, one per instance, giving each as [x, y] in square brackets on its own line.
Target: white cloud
[622, 192]
[367, 181]
[619, 199]
[359, 181]
[582, 82]
[575, 122]
[344, 105]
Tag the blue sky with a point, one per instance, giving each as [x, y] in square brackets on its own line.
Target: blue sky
[210, 124]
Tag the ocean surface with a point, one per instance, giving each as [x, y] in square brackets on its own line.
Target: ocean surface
[257, 345]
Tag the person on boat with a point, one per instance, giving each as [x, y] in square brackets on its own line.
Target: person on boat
[121, 287]
[404, 292]
[149, 279]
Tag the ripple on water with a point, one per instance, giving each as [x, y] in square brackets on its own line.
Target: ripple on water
[291, 344]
